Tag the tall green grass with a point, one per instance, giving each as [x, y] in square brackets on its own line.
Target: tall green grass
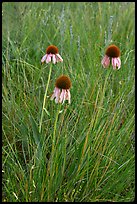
[83, 151]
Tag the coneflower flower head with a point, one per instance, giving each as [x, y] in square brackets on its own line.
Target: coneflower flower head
[112, 53]
[62, 89]
[52, 54]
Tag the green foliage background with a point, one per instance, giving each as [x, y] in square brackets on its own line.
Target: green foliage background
[85, 151]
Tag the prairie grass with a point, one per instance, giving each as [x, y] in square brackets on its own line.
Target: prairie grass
[84, 151]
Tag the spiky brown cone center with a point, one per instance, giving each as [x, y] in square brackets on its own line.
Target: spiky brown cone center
[112, 51]
[51, 49]
[63, 82]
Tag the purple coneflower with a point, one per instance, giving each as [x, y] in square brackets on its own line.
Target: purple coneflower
[112, 53]
[62, 89]
[52, 54]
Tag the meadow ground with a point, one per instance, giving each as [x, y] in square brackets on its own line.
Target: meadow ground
[83, 151]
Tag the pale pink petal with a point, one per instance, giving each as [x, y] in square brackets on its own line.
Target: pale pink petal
[53, 96]
[119, 62]
[65, 93]
[54, 59]
[48, 59]
[62, 95]
[116, 63]
[105, 61]
[68, 96]
[43, 58]
[59, 58]
[56, 95]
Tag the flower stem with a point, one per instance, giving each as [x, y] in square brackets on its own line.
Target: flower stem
[44, 100]
[55, 128]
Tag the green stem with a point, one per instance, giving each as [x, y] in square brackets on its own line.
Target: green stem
[55, 127]
[45, 95]
[51, 164]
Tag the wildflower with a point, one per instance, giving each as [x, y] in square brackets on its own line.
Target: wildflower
[51, 54]
[112, 53]
[62, 89]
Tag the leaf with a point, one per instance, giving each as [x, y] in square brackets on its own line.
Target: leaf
[36, 134]
[37, 137]
[46, 111]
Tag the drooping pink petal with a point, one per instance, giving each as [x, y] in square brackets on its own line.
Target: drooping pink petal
[53, 96]
[116, 63]
[62, 96]
[59, 58]
[56, 95]
[105, 61]
[119, 62]
[54, 59]
[65, 93]
[43, 58]
[68, 95]
[48, 59]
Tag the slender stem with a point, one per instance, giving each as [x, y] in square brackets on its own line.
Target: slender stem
[45, 95]
[55, 127]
